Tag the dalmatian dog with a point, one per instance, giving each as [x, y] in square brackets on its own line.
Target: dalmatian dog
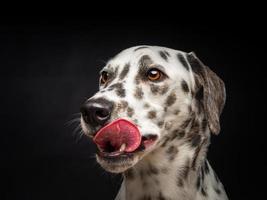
[152, 120]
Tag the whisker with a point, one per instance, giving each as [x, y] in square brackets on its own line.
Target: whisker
[75, 117]
[92, 156]
[79, 135]
[72, 121]
[76, 114]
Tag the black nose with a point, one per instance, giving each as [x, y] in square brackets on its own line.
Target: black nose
[96, 111]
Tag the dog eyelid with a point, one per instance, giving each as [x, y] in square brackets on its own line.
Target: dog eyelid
[157, 67]
[105, 70]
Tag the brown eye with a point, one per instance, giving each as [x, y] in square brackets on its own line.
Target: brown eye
[104, 77]
[154, 74]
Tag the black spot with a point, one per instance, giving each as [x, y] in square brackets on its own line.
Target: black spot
[183, 173]
[203, 191]
[120, 91]
[146, 105]
[138, 93]
[154, 88]
[151, 114]
[196, 153]
[168, 125]
[129, 174]
[186, 123]
[204, 125]
[161, 197]
[172, 152]
[167, 53]
[182, 59]
[160, 123]
[142, 47]
[195, 156]
[200, 94]
[180, 182]
[198, 182]
[170, 99]
[178, 134]
[195, 63]
[138, 79]
[152, 170]
[164, 170]
[190, 109]
[163, 89]
[165, 141]
[173, 135]
[165, 109]
[176, 112]
[163, 55]
[122, 105]
[185, 86]
[194, 126]
[124, 71]
[144, 62]
[185, 170]
[195, 141]
[203, 174]
[217, 190]
[181, 134]
[130, 112]
[116, 71]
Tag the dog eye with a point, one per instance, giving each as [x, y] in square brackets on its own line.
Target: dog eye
[104, 77]
[154, 74]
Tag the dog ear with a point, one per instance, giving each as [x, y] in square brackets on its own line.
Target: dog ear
[210, 92]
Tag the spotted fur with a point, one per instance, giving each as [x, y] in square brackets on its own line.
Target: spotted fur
[181, 110]
[125, 71]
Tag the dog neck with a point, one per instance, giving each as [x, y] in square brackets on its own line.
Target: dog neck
[163, 176]
[175, 169]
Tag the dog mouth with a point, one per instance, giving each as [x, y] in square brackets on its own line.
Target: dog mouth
[120, 140]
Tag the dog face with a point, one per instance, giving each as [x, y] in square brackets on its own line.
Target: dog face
[152, 91]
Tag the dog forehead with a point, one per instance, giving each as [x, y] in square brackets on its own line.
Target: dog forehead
[134, 53]
[165, 57]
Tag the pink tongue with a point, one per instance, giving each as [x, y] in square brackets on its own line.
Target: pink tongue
[118, 133]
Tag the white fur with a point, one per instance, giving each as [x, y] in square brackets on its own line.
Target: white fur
[156, 155]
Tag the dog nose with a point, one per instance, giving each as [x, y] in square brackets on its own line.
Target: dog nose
[96, 112]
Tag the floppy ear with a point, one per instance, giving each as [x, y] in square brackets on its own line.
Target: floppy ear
[210, 91]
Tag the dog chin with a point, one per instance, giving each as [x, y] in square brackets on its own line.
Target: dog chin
[117, 164]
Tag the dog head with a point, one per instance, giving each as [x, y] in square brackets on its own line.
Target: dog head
[147, 97]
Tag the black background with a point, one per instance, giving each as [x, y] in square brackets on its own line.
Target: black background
[49, 66]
